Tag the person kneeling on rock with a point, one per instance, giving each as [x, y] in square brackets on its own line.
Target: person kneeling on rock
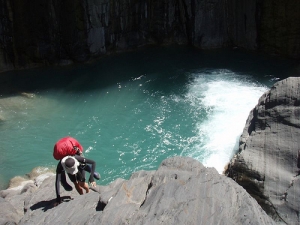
[75, 166]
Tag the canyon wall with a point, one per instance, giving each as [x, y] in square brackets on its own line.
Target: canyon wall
[266, 164]
[53, 32]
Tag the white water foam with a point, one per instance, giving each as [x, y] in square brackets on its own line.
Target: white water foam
[227, 99]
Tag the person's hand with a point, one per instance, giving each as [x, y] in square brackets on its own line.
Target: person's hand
[93, 184]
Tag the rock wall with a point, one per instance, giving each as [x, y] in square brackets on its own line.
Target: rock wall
[266, 165]
[279, 29]
[43, 32]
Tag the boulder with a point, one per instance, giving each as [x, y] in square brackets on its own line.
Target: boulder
[266, 164]
[181, 191]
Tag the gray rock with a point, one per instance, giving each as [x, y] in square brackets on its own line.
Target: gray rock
[266, 165]
[181, 191]
[8, 214]
[18, 200]
[39, 179]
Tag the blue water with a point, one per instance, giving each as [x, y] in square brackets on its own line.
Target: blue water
[132, 110]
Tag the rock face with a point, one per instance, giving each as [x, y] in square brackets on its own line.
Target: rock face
[42, 32]
[279, 18]
[266, 165]
[181, 191]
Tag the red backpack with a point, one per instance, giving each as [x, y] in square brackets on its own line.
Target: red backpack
[66, 146]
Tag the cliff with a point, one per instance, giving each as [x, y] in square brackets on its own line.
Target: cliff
[266, 165]
[42, 32]
[181, 191]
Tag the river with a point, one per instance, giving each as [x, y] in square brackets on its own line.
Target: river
[132, 110]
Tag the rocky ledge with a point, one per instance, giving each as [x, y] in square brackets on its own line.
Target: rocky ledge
[181, 191]
[263, 186]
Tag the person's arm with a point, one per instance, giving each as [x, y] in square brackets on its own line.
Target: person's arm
[59, 170]
[88, 161]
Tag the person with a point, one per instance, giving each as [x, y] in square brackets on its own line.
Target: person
[69, 146]
[75, 167]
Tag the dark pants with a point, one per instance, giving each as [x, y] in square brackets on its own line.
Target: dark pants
[79, 176]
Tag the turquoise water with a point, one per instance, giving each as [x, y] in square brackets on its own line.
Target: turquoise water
[132, 110]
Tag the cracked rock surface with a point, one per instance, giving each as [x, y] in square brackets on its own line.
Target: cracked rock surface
[181, 191]
[266, 165]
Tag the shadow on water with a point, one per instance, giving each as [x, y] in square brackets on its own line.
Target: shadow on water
[169, 61]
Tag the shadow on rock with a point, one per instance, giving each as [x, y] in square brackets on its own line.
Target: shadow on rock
[46, 205]
[100, 206]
